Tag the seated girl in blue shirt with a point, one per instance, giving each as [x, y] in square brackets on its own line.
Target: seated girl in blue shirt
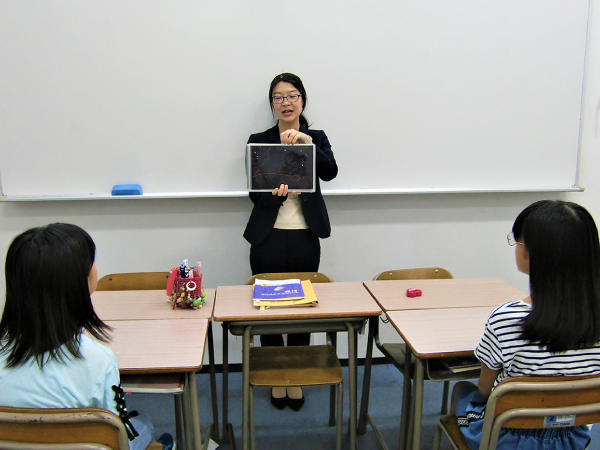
[46, 360]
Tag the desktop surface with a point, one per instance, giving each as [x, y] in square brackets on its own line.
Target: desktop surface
[145, 305]
[439, 333]
[338, 299]
[155, 346]
[445, 293]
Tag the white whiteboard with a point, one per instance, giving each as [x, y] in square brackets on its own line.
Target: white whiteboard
[442, 94]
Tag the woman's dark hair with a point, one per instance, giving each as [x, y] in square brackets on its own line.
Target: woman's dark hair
[297, 83]
[48, 302]
[564, 275]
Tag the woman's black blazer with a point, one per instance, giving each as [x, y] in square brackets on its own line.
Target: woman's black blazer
[266, 205]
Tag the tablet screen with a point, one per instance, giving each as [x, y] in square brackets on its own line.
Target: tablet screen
[271, 165]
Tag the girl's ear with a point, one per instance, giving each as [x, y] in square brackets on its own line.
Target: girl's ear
[522, 257]
[526, 260]
[93, 279]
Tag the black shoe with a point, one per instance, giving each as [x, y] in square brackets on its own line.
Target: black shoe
[295, 403]
[279, 403]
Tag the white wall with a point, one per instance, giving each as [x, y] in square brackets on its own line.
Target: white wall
[463, 233]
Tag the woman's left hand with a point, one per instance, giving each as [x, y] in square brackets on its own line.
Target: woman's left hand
[291, 137]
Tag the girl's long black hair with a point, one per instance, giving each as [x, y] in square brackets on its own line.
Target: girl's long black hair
[48, 302]
[564, 274]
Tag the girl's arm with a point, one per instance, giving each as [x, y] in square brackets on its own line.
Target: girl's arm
[486, 380]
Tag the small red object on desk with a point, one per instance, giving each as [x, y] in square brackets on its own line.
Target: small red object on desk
[414, 292]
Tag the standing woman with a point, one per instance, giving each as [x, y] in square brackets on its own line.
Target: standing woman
[285, 227]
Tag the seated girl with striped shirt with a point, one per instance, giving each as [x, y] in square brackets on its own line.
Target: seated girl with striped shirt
[554, 331]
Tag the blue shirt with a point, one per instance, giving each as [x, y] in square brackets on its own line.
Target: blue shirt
[70, 383]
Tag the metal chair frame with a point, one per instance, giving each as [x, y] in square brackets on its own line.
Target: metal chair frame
[525, 402]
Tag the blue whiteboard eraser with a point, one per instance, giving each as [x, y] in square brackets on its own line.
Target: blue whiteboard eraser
[126, 189]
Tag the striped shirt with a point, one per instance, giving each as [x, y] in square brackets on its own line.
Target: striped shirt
[502, 348]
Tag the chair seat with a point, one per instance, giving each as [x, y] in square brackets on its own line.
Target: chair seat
[315, 365]
[397, 352]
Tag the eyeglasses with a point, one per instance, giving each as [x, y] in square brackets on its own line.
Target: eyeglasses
[292, 98]
[512, 241]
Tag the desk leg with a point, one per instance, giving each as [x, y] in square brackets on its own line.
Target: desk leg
[352, 387]
[195, 412]
[213, 384]
[227, 432]
[364, 401]
[406, 400]
[246, 388]
[187, 414]
[180, 424]
[418, 404]
[332, 340]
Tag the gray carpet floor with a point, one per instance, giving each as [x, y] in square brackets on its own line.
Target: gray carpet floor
[307, 429]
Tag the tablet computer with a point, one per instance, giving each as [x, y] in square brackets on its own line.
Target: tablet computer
[271, 165]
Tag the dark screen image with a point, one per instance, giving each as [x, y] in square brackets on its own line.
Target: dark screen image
[272, 166]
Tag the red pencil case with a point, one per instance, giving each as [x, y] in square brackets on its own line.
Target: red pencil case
[185, 292]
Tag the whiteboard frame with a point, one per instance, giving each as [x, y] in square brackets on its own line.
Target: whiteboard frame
[565, 187]
[226, 194]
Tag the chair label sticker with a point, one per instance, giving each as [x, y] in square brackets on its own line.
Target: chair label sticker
[559, 421]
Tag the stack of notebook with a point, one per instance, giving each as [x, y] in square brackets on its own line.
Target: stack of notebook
[463, 364]
[283, 293]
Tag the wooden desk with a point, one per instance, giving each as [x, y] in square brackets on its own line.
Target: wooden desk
[441, 333]
[447, 293]
[342, 307]
[146, 346]
[159, 323]
[447, 319]
[436, 333]
[145, 305]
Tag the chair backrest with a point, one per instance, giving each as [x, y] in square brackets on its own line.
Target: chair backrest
[527, 402]
[139, 281]
[314, 277]
[67, 429]
[424, 273]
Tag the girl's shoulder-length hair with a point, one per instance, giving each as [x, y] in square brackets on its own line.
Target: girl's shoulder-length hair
[561, 239]
[48, 304]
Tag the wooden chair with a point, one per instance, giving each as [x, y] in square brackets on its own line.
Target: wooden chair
[304, 366]
[314, 277]
[396, 352]
[151, 384]
[529, 403]
[425, 273]
[140, 281]
[64, 429]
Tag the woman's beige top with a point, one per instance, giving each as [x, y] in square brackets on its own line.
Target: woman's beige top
[290, 215]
